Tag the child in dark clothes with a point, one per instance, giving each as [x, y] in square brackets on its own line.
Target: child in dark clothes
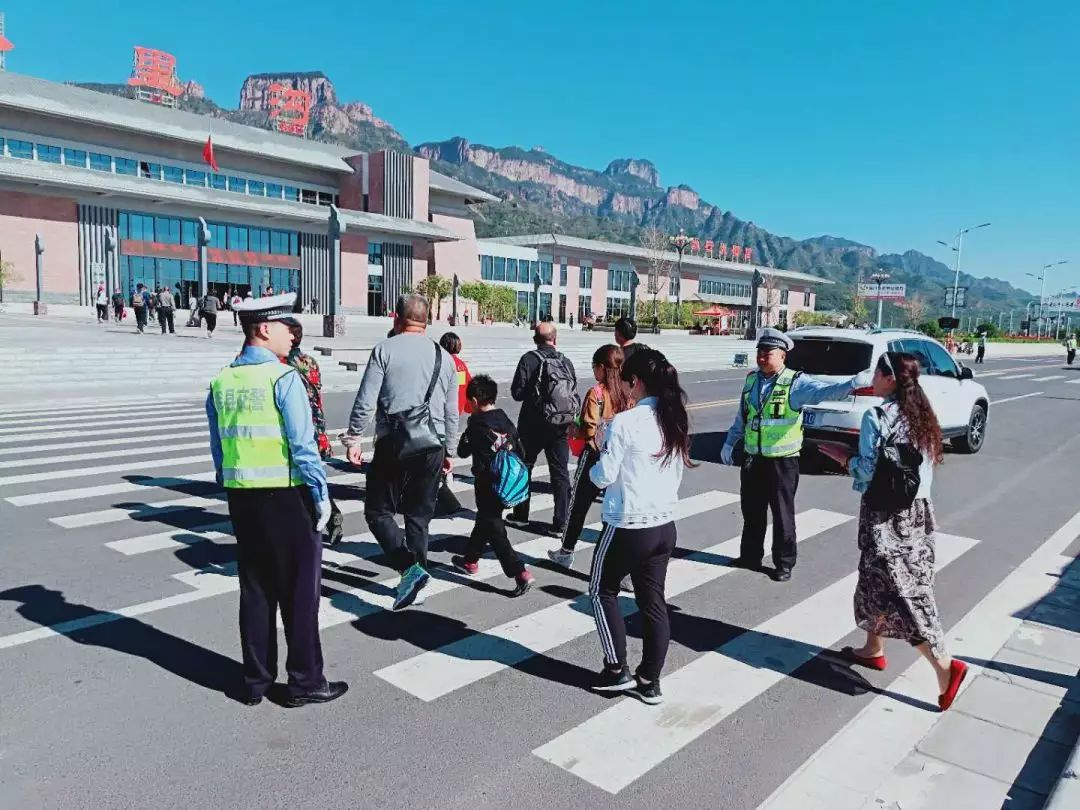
[488, 429]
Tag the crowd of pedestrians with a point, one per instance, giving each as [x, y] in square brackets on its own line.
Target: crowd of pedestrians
[631, 432]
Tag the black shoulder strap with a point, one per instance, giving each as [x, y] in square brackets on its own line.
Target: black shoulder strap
[434, 373]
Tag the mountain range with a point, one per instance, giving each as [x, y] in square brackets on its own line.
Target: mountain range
[540, 193]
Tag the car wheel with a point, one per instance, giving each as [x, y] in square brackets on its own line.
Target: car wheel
[975, 435]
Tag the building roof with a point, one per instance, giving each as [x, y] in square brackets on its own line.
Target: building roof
[30, 94]
[87, 182]
[636, 252]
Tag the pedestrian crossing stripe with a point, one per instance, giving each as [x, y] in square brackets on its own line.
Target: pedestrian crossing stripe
[621, 744]
[48, 418]
[162, 420]
[1051, 377]
[1015, 376]
[141, 427]
[159, 438]
[42, 461]
[95, 405]
[855, 768]
[83, 472]
[437, 673]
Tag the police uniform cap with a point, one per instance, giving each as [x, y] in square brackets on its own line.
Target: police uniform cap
[775, 339]
[267, 308]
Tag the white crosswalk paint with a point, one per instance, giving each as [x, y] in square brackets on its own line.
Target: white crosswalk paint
[148, 411]
[91, 430]
[1015, 376]
[436, 673]
[160, 438]
[82, 493]
[83, 472]
[614, 748]
[1073, 382]
[88, 423]
[1051, 377]
[95, 405]
[173, 538]
[852, 770]
[35, 460]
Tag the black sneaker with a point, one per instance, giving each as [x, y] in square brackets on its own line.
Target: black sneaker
[613, 680]
[647, 692]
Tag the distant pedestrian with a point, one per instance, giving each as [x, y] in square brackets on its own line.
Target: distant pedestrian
[118, 305]
[1070, 349]
[980, 355]
[209, 307]
[626, 337]
[643, 454]
[409, 388]
[236, 299]
[314, 306]
[101, 302]
[489, 430]
[602, 402]
[545, 384]
[894, 596]
[140, 302]
[308, 368]
[466, 317]
[165, 309]
[270, 291]
[571, 320]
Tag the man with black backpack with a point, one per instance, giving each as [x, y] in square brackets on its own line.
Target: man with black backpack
[140, 302]
[545, 384]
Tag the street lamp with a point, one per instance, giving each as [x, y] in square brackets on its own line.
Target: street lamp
[680, 242]
[1042, 290]
[879, 279]
[958, 248]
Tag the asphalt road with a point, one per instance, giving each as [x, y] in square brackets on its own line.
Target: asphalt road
[135, 712]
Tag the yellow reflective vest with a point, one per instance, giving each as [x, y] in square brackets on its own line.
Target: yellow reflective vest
[776, 429]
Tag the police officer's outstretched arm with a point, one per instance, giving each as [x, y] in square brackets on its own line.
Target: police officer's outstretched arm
[292, 402]
[805, 390]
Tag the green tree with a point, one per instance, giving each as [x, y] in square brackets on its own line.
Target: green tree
[807, 318]
[503, 303]
[7, 275]
[435, 288]
[932, 329]
[990, 328]
[479, 292]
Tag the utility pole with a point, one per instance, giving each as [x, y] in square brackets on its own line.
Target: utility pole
[958, 248]
[879, 279]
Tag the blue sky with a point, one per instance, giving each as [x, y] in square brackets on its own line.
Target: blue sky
[891, 123]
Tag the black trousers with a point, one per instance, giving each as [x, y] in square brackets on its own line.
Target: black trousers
[489, 527]
[165, 318]
[1070, 355]
[769, 484]
[644, 555]
[118, 312]
[279, 558]
[102, 312]
[553, 443]
[211, 321]
[406, 486]
[980, 354]
[581, 498]
[140, 318]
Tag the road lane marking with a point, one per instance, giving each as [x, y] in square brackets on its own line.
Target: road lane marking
[621, 744]
[90, 430]
[1015, 376]
[1073, 382]
[854, 768]
[83, 416]
[437, 673]
[82, 472]
[35, 460]
[696, 406]
[1013, 399]
[88, 424]
[34, 449]
[1051, 377]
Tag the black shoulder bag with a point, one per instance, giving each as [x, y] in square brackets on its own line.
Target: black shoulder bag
[413, 431]
[896, 474]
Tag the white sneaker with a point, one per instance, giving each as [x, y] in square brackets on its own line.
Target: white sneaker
[561, 557]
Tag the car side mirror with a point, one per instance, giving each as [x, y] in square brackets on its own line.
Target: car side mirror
[966, 374]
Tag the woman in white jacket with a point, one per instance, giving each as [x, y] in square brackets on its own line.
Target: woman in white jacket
[643, 453]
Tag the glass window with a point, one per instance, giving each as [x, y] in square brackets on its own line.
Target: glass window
[618, 308]
[257, 188]
[375, 295]
[167, 230]
[374, 253]
[944, 365]
[100, 162]
[217, 234]
[784, 294]
[238, 185]
[47, 153]
[294, 245]
[193, 177]
[325, 198]
[124, 225]
[562, 283]
[674, 283]
[512, 269]
[585, 277]
[308, 196]
[238, 238]
[487, 268]
[73, 157]
[218, 181]
[292, 193]
[259, 240]
[546, 269]
[584, 307]
[188, 233]
[151, 171]
[174, 174]
[20, 149]
[500, 268]
[142, 227]
[217, 273]
[126, 166]
[273, 190]
[829, 357]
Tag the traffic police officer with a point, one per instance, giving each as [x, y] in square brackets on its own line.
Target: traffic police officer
[263, 444]
[769, 423]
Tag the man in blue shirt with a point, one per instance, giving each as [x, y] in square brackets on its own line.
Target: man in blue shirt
[769, 425]
[262, 440]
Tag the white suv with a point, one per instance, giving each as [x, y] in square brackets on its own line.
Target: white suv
[961, 404]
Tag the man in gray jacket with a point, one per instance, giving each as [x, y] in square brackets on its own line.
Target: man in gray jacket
[396, 379]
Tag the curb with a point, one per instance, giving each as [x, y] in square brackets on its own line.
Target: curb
[1066, 792]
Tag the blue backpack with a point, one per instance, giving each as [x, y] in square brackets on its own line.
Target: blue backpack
[509, 474]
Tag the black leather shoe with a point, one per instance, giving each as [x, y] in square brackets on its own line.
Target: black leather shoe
[332, 691]
[781, 575]
[253, 700]
[743, 562]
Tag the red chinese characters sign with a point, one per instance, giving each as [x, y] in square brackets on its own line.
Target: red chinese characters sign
[190, 253]
[290, 109]
[155, 70]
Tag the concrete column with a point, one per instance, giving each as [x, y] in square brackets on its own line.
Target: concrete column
[204, 242]
[112, 266]
[40, 308]
[333, 320]
[756, 282]
[634, 281]
[454, 300]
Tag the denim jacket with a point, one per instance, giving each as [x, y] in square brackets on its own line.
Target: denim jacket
[873, 430]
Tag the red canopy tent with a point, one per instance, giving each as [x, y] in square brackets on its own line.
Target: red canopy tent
[714, 312]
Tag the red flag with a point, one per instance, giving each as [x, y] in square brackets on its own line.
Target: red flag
[208, 154]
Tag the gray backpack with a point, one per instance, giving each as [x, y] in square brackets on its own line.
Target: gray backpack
[556, 391]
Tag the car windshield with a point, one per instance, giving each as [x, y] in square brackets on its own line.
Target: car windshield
[839, 358]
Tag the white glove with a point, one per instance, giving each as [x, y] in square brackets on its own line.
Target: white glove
[322, 514]
[864, 379]
[727, 454]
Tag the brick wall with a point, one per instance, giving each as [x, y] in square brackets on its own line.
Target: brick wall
[56, 220]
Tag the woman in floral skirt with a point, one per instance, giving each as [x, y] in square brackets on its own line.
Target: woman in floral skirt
[894, 597]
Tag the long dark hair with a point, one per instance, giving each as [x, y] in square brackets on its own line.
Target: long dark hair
[923, 428]
[661, 380]
[610, 359]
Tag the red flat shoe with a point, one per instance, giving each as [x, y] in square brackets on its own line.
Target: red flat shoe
[877, 662]
[957, 672]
